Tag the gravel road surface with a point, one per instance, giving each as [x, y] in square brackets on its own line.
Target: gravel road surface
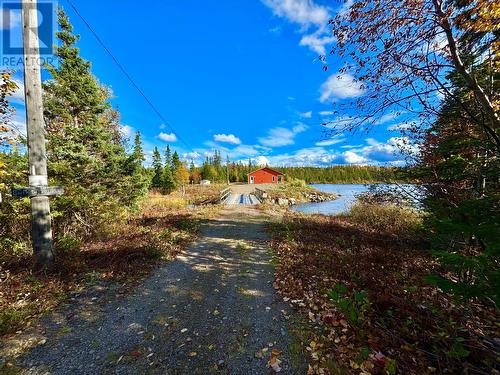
[213, 310]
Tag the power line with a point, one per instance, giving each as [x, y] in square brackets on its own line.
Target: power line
[130, 79]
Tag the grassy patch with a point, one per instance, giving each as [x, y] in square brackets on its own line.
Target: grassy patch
[359, 280]
[388, 219]
[163, 227]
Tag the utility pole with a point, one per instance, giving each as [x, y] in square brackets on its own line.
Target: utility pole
[38, 182]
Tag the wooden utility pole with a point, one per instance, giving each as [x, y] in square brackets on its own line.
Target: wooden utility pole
[40, 209]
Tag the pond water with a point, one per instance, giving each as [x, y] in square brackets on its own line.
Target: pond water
[347, 192]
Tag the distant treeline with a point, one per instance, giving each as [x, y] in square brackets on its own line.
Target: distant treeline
[341, 174]
[217, 170]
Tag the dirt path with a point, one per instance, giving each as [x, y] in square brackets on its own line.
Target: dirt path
[209, 311]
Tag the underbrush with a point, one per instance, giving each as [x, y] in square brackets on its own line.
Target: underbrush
[295, 189]
[360, 279]
[388, 219]
[162, 228]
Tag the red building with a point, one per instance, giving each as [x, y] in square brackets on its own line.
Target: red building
[265, 176]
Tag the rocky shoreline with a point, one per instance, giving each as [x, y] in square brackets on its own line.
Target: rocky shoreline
[313, 197]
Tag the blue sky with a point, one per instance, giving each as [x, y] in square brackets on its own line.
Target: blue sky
[239, 76]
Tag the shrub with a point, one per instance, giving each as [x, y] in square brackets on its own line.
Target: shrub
[386, 218]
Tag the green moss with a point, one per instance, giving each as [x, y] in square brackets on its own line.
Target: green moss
[12, 319]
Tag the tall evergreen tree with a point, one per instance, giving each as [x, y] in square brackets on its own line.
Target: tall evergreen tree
[138, 152]
[157, 181]
[176, 162]
[85, 150]
[168, 182]
[168, 157]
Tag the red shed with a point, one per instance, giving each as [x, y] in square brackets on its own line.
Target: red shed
[265, 176]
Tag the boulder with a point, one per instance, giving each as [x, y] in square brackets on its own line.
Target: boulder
[282, 201]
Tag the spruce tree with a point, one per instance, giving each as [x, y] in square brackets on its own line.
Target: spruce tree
[157, 181]
[168, 182]
[85, 150]
[138, 152]
[168, 157]
[176, 162]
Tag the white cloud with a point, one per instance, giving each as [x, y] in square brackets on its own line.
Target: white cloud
[15, 19]
[243, 150]
[167, 137]
[350, 157]
[326, 113]
[340, 121]
[306, 114]
[302, 12]
[227, 138]
[291, 98]
[163, 126]
[17, 125]
[330, 142]
[191, 155]
[340, 86]
[280, 136]
[389, 151]
[299, 128]
[18, 95]
[317, 42]
[400, 127]
[372, 153]
[346, 6]
[306, 14]
[260, 160]
[126, 131]
[313, 156]
[388, 117]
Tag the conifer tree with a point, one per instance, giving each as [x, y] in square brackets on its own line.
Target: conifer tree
[157, 181]
[176, 162]
[85, 150]
[168, 182]
[138, 152]
[168, 157]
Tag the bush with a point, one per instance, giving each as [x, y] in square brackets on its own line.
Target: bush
[296, 182]
[68, 244]
[386, 218]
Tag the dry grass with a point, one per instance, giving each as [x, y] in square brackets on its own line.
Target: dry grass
[362, 286]
[297, 190]
[387, 219]
[159, 232]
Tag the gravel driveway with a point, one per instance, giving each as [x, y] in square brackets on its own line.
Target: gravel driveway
[213, 310]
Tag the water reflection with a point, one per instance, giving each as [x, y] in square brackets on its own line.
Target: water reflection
[348, 193]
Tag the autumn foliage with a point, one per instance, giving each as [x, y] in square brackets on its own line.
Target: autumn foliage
[371, 311]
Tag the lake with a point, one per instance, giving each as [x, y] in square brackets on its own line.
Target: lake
[347, 192]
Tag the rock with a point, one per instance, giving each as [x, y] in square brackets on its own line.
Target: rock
[292, 201]
[282, 201]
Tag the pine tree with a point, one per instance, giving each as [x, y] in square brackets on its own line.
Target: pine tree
[168, 183]
[176, 162]
[85, 150]
[168, 157]
[138, 152]
[157, 181]
[138, 174]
